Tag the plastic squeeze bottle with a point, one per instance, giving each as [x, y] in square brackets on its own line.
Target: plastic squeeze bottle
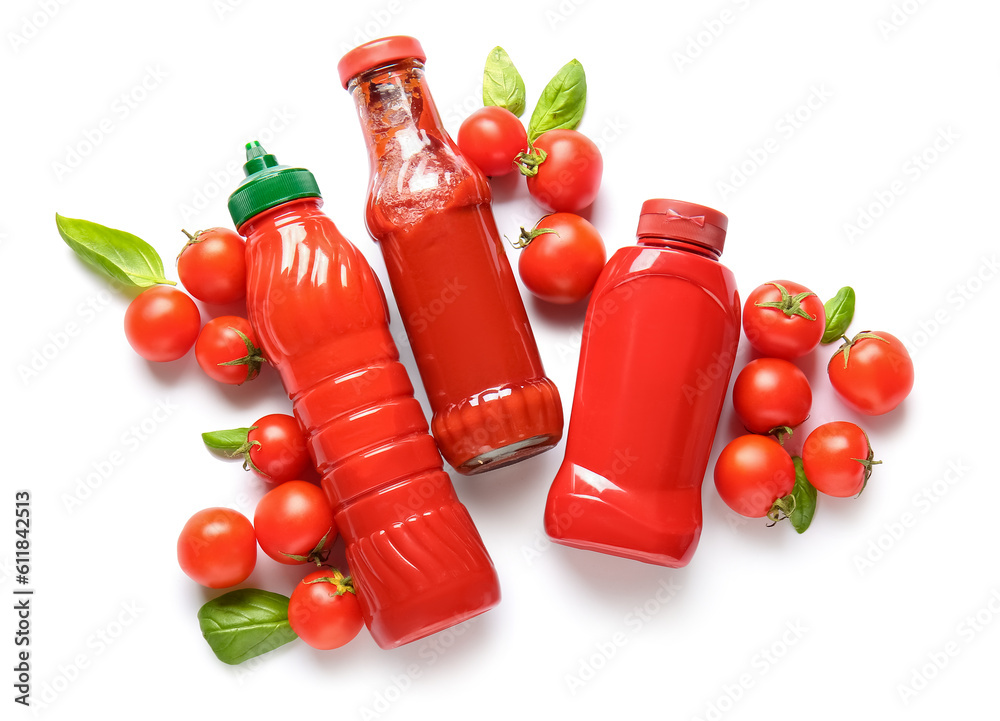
[418, 562]
[659, 343]
[429, 209]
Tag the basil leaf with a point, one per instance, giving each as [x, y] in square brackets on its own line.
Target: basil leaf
[562, 102]
[839, 314]
[805, 499]
[232, 440]
[245, 623]
[120, 255]
[502, 84]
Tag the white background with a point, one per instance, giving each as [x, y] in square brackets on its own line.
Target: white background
[814, 113]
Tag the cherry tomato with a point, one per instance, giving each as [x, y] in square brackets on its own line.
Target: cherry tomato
[162, 323]
[324, 610]
[217, 547]
[838, 459]
[783, 319]
[770, 393]
[227, 350]
[278, 451]
[491, 138]
[563, 256]
[872, 372]
[752, 473]
[570, 175]
[213, 267]
[291, 520]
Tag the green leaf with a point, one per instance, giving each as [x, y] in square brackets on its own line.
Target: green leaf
[839, 314]
[231, 441]
[562, 101]
[805, 499]
[245, 623]
[502, 84]
[120, 255]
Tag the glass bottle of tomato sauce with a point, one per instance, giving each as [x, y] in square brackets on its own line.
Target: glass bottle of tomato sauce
[659, 343]
[418, 562]
[429, 209]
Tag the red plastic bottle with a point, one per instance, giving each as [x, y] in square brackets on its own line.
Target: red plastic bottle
[429, 208]
[659, 342]
[418, 562]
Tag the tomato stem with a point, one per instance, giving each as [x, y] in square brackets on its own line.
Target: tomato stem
[528, 161]
[191, 240]
[867, 463]
[848, 344]
[789, 304]
[252, 360]
[781, 509]
[781, 434]
[527, 236]
[344, 584]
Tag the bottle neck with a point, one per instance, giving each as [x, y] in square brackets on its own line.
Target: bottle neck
[681, 245]
[292, 211]
[396, 108]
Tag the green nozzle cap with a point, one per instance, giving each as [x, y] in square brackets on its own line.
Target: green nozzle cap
[268, 184]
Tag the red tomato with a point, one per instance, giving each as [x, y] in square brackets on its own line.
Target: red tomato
[562, 258]
[227, 350]
[278, 451]
[752, 473]
[324, 610]
[492, 138]
[162, 323]
[838, 459]
[291, 520]
[217, 547]
[783, 319]
[770, 393]
[213, 267]
[872, 372]
[570, 175]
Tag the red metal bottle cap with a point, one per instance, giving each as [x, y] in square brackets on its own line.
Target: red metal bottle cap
[679, 220]
[376, 53]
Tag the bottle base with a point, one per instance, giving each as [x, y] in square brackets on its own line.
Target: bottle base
[448, 605]
[654, 559]
[505, 456]
[660, 529]
[498, 427]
